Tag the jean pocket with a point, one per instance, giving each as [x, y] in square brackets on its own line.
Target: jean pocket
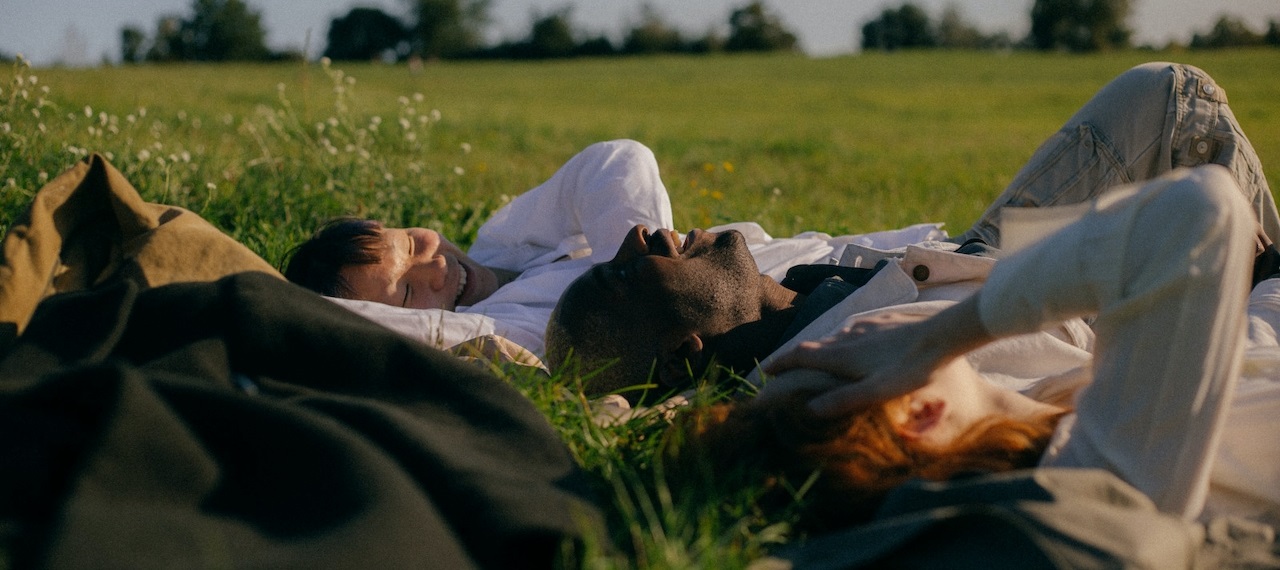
[1072, 166]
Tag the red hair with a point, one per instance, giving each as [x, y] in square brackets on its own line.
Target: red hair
[858, 459]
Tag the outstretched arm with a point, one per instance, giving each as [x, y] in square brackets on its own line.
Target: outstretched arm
[887, 356]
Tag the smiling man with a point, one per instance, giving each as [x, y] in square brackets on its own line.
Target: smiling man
[666, 313]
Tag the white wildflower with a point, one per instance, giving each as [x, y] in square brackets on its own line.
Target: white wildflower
[88, 111]
[36, 112]
[325, 62]
[404, 123]
[411, 136]
[459, 171]
[435, 114]
[333, 121]
[144, 155]
[466, 148]
[404, 101]
[418, 97]
[42, 177]
[142, 111]
[387, 176]
[131, 118]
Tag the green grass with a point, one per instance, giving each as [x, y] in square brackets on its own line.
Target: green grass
[842, 145]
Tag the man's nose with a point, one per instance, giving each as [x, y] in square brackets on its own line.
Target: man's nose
[633, 245]
[432, 272]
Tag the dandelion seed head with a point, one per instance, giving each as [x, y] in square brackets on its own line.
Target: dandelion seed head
[404, 101]
[466, 148]
[375, 120]
[404, 123]
[144, 155]
[459, 170]
[325, 62]
[36, 113]
[435, 114]
[211, 186]
[333, 121]
[88, 111]
[42, 177]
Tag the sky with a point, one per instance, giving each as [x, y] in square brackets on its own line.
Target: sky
[86, 32]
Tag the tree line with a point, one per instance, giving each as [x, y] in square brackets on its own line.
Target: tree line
[227, 30]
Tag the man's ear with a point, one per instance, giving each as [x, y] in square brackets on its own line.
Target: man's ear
[674, 368]
[921, 416]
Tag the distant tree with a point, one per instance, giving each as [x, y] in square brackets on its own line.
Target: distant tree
[132, 44]
[751, 28]
[365, 33]
[224, 30]
[1273, 33]
[1228, 31]
[595, 47]
[1080, 25]
[954, 32]
[551, 36]
[906, 27]
[652, 35]
[447, 28]
[168, 43]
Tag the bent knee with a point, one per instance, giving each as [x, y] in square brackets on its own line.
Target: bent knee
[1206, 199]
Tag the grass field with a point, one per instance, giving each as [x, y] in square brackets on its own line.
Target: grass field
[843, 145]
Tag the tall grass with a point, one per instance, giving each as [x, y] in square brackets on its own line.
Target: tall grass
[844, 145]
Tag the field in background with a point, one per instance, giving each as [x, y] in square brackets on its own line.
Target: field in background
[841, 145]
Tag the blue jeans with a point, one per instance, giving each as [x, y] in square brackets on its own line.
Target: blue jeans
[1148, 121]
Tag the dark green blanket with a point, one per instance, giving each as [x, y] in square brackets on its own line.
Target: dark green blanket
[247, 422]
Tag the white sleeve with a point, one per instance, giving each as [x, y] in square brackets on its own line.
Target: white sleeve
[589, 203]
[1166, 269]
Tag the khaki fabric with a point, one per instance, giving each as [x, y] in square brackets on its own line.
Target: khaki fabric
[90, 226]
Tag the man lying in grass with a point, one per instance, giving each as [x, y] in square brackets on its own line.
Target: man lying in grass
[524, 255]
[680, 308]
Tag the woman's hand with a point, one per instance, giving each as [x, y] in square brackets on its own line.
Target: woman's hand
[886, 356]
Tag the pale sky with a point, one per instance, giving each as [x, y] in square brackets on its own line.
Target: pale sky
[81, 32]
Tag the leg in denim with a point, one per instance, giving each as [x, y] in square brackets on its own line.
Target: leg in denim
[1148, 121]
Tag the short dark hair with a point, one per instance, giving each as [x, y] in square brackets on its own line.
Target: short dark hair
[317, 263]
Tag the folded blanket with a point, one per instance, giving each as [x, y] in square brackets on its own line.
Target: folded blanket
[249, 423]
[89, 226]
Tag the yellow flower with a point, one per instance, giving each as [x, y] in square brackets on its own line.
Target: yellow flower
[728, 166]
[708, 167]
[717, 195]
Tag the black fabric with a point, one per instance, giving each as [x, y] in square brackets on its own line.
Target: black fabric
[248, 422]
[1266, 265]
[805, 278]
[1067, 519]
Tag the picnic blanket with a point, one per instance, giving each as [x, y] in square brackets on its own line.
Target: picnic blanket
[167, 400]
[247, 422]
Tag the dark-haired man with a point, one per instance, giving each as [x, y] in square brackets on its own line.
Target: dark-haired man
[673, 310]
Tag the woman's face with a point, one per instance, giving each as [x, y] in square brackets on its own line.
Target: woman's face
[420, 269]
[955, 399]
